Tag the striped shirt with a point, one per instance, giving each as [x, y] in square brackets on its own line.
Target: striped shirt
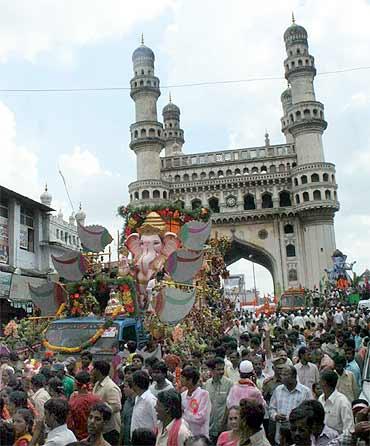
[284, 401]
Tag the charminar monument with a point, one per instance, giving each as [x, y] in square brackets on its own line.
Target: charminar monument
[277, 202]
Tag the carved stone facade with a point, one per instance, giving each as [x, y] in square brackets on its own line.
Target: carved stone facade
[276, 201]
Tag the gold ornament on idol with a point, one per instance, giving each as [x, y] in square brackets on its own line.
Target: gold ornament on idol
[153, 224]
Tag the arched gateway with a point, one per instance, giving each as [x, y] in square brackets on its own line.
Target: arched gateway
[277, 202]
[241, 249]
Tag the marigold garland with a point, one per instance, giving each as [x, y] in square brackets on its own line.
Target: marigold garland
[91, 341]
[172, 214]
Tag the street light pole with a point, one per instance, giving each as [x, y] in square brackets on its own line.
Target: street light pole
[254, 277]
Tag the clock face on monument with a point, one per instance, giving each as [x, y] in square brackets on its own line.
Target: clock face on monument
[230, 202]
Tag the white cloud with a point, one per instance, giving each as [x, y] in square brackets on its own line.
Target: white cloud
[30, 28]
[18, 163]
[81, 163]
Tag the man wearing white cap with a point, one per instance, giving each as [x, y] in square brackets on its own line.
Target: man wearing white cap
[245, 388]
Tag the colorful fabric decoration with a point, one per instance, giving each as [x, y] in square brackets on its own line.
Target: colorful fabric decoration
[71, 266]
[46, 298]
[194, 234]
[183, 265]
[94, 238]
[177, 304]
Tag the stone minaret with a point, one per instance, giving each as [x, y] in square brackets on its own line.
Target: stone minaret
[146, 133]
[304, 116]
[313, 180]
[173, 134]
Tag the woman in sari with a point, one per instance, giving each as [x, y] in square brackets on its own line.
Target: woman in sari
[231, 436]
[23, 424]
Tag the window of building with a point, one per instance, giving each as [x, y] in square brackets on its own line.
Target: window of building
[315, 178]
[57, 233]
[316, 195]
[304, 179]
[196, 204]
[4, 209]
[253, 154]
[27, 233]
[325, 177]
[227, 156]
[290, 250]
[267, 201]
[284, 199]
[306, 197]
[218, 158]
[194, 160]
[288, 229]
[145, 194]
[249, 203]
[297, 200]
[156, 194]
[213, 204]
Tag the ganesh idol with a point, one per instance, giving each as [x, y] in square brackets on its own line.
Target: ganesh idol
[150, 248]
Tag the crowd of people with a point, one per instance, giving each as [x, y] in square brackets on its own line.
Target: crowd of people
[287, 379]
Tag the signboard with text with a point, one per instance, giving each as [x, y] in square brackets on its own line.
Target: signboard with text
[5, 284]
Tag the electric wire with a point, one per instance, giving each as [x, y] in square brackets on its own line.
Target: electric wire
[172, 86]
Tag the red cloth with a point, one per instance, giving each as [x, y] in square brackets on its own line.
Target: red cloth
[225, 439]
[174, 433]
[79, 408]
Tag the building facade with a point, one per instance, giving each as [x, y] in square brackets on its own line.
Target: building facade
[277, 202]
[29, 235]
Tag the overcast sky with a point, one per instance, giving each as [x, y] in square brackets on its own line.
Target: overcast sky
[87, 43]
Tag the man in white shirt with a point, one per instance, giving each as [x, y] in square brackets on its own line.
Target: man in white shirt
[110, 393]
[308, 373]
[41, 395]
[172, 427]
[338, 317]
[299, 320]
[144, 414]
[56, 411]
[321, 434]
[338, 410]
[159, 376]
[195, 402]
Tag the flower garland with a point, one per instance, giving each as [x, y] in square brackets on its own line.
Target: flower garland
[173, 215]
[91, 341]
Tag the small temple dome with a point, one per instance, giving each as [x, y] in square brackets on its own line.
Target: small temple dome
[80, 214]
[46, 197]
[143, 53]
[295, 34]
[171, 107]
[60, 215]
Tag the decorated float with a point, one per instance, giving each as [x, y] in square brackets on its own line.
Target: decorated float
[167, 284]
